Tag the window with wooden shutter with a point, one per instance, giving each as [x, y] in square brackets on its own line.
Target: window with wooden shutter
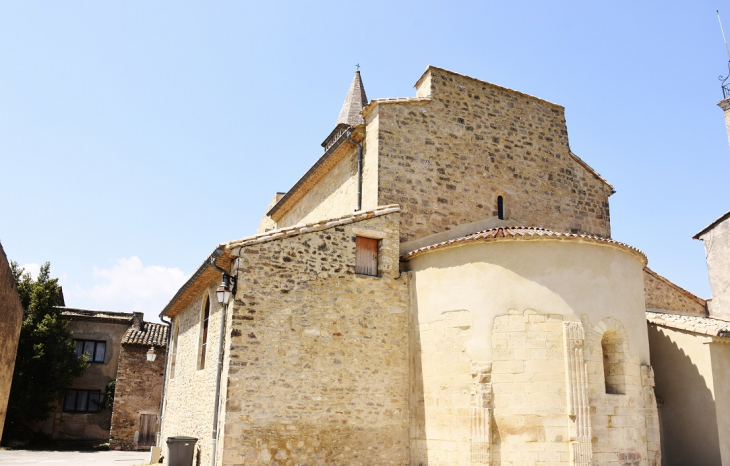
[366, 261]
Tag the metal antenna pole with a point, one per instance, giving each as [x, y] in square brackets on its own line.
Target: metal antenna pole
[723, 34]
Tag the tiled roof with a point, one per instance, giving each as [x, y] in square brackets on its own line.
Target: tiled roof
[150, 335]
[314, 226]
[523, 233]
[712, 225]
[696, 324]
[92, 315]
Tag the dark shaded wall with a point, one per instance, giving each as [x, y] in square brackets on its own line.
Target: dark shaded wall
[11, 316]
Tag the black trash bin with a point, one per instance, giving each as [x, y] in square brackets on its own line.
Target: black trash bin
[180, 450]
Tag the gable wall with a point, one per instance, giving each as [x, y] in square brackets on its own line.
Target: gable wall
[446, 162]
[717, 248]
[319, 356]
[661, 295]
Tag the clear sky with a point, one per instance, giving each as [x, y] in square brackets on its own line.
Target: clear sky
[136, 136]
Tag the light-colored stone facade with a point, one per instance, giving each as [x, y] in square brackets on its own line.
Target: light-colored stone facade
[11, 316]
[512, 356]
[190, 391]
[716, 239]
[693, 383]
[528, 346]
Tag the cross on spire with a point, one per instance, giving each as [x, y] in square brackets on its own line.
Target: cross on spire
[358, 67]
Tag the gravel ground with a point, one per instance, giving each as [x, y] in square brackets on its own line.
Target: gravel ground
[74, 458]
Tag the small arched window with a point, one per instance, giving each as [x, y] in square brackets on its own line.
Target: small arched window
[500, 207]
[614, 362]
[204, 317]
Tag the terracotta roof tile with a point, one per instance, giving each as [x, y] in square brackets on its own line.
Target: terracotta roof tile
[525, 233]
[314, 226]
[150, 335]
[697, 324]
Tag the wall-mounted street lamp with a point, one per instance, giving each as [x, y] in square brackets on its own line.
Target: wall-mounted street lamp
[151, 355]
[224, 290]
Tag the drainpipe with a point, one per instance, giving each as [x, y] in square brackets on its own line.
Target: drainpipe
[359, 171]
[221, 338]
[164, 380]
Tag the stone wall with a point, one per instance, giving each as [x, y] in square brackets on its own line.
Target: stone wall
[509, 341]
[661, 294]
[11, 316]
[190, 393]
[319, 356]
[446, 161]
[138, 391]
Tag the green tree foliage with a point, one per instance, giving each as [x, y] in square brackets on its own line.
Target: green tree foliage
[46, 362]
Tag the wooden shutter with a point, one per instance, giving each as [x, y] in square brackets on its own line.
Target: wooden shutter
[147, 429]
[366, 262]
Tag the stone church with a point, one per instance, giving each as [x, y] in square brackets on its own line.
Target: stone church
[440, 288]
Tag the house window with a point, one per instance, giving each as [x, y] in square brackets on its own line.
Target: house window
[204, 332]
[500, 207]
[82, 401]
[614, 367]
[94, 350]
[366, 259]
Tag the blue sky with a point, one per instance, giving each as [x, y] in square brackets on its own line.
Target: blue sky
[136, 136]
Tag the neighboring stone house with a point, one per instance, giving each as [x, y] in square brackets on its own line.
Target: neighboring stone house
[439, 288]
[111, 341]
[138, 392]
[11, 317]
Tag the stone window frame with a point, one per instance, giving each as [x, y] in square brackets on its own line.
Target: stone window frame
[369, 234]
[615, 376]
[203, 338]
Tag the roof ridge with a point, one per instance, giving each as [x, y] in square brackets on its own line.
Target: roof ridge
[312, 226]
[524, 232]
[705, 325]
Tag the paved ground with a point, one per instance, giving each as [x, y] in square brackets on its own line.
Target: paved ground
[73, 458]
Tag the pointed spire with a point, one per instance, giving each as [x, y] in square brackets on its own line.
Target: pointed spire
[355, 101]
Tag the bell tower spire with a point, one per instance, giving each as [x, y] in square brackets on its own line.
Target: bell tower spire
[355, 101]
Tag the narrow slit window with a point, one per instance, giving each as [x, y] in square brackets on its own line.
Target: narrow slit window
[366, 260]
[204, 332]
[500, 207]
[614, 367]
